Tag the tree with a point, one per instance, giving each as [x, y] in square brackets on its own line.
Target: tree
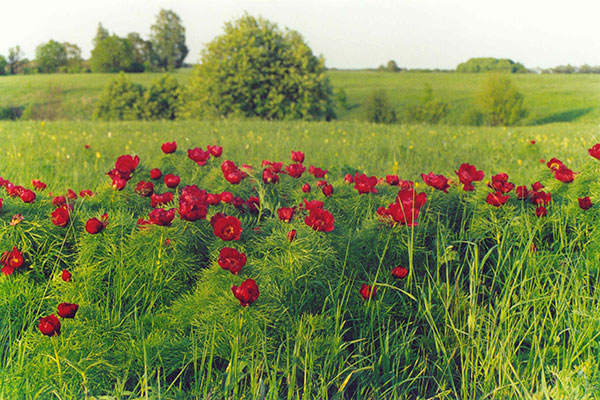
[143, 53]
[112, 54]
[168, 40]
[15, 60]
[378, 108]
[101, 34]
[256, 70]
[50, 56]
[74, 59]
[489, 64]
[499, 101]
[3, 65]
[392, 66]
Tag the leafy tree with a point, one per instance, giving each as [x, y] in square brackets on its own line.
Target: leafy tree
[499, 101]
[101, 34]
[122, 100]
[3, 65]
[256, 70]
[50, 56]
[113, 54]
[74, 60]
[392, 66]
[161, 99]
[16, 60]
[168, 40]
[490, 64]
[143, 53]
[378, 108]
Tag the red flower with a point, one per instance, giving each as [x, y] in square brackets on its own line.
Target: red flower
[439, 182]
[162, 217]
[501, 184]
[555, 164]
[368, 292]
[38, 185]
[269, 176]
[66, 275]
[193, 203]
[321, 183]
[405, 211]
[231, 260]
[213, 199]
[392, 180]
[226, 197]
[467, 174]
[160, 199]
[595, 151]
[86, 193]
[364, 184]
[253, 203]
[155, 173]
[228, 166]
[216, 151]
[399, 272]
[585, 203]
[306, 188]
[227, 228]
[71, 194]
[127, 164]
[169, 147]
[291, 235]
[58, 200]
[348, 179]
[49, 326]
[1, 200]
[246, 293]
[237, 202]
[234, 177]
[564, 174]
[317, 172]
[297, 156]
[28, 196]
[60, 216]
[312, 205]
[145, 189]
[11, 260]
[199, 156]
[497, 199]
[541, 197]
[141, 223]
[327, 190]
[541, 211]
[67, 310]
[87, 146]
[295, 170]
[286, 213]
[95, 225]
[320, 220]
[522, 192]
[172, 180]
[537, 186]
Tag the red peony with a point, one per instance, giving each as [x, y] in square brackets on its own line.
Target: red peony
[317, 172]
[253, 203]
[291, 235]
[295, 170]
[270, 176]
[306, 188]
[231, 260]
[348, 179]
[95, 225]
[368, 292]
[541, 197]
[399, 272]
[193, 203]
[199, 156]
[67, 310]
[467, 174]
[127, 164]
[71, 194]
[66, 275]
[320, 220]
[364, 184]
[160, 199]
[58, 200]
[327, 190]
[145, 189]
[497, 199]
[226, 197]
[172, 180]
[392, 180]
[162, 217]
[246, 293]
[215, 151]
[439, 182]
[286, 213]
[541, 211]
[49, 326]
[501, 184]
[11, 260]
[564, 174]
[522, 192]
[169, 147]
[297, 156]
[28, 196]
[227, 228]
[155, 173]
[585, 203]
[213, 199]
[595, 151]
[60, 216]
[38, 185]
[86, 193]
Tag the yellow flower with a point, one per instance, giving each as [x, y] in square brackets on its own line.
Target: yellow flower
[98, 155]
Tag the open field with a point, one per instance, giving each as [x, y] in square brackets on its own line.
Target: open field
[550, 98]
[498, 303]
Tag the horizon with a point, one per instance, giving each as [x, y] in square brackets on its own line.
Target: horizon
[416, 34]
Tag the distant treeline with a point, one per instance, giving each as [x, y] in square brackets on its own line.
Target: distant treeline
[165, 50]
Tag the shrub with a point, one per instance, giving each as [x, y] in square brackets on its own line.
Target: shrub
[378, 108]
[122, 100]
[430, 110]
[499, 101]
[3, 65]
[490, 64]
[256, 70]
[161, 99]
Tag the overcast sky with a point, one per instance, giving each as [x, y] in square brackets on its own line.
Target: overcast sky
[349, 34]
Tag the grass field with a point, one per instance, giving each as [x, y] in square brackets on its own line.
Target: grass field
[549, 98]
[497, 304]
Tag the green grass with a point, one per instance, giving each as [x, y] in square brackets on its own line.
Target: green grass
[549, 98]
[480, 316]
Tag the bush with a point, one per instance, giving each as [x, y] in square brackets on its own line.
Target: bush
[499, 101]
[161, 99]
[378, 108]
[122, 100]
[490, 65]
[112, 54]
[256, 70]
[3, 65]
[431, 110]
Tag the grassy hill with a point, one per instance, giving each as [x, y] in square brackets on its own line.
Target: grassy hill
[549, 98]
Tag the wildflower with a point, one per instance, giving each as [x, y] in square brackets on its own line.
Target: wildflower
[399, 272]
[392, 180]
[226, 227]
[501, 184]
[348, 178]
[66, 275]
[171, 181]
[541, 211]
[269, 176]
[467, 174]
[226, 197]
[291, 235]
[127, 164]
[439, 182]
[317, 172]
[297, 156]
[60, 216]
[522, 192]
[155, 173]
[247, 293]
[368, 292]
[86, 193]
[199, 156]
[286, 213]
[95, 225]
[71, 195]
[295, 170]
[232, 260]
[162, 217]
[49, 326]
[169, 147]
[193, 203]
[497, 199]
[595, 151]
[327, 190]
[145, 189]
[306, 188]
[11, 260]
[585, 203]
[38, 185]
[253, 203]
[67, 310]
[320, 220]
[28, 196]
[364, 184]
[160, 199]
[215, 151]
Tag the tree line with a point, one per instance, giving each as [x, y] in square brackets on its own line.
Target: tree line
[164, 50]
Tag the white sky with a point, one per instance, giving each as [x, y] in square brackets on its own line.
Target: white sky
[350, 34]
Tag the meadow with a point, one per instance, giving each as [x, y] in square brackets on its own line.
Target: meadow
[496, 302]
[549, 98]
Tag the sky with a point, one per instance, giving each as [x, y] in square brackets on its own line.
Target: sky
[348, 33]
